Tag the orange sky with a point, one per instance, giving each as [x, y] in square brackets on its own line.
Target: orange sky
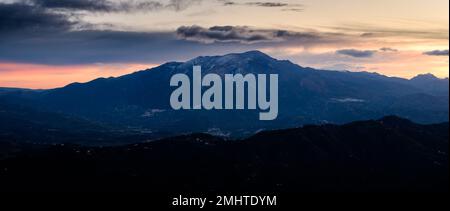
[38, 76]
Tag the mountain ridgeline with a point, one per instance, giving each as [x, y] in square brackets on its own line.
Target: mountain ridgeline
[390, 154]
[306, 96]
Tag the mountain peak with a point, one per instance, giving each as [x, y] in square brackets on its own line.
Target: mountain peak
[254, 53]
[427, 76]
[394, 119]
[232, 63]
[235, 57]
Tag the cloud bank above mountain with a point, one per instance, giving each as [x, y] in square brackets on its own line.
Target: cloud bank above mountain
[437, 53]
[357, 53]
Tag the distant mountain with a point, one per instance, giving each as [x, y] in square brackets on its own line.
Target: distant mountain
[21, 124]
[307, 96]
[390, 154]
[4, 90]
[431, 84]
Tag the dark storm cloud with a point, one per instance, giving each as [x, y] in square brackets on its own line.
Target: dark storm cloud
[49, 15]
[89, 5]
[95, 46]
[386, 49]
[437, 53]
[222, 34]
[356, 53]
[111, 6]
[22, 17]
[240, 34]
[286, 6]
[36, 34]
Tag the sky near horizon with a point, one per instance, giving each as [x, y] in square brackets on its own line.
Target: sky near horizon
[48, 43]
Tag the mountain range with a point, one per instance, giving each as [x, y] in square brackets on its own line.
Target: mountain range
[349, 131]
[140, 101]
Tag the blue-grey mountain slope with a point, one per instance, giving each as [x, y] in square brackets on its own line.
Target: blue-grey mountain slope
[307, 96]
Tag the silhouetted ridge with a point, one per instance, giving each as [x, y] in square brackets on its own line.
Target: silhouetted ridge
[395, 120]
[360, 156]
[427, 76]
